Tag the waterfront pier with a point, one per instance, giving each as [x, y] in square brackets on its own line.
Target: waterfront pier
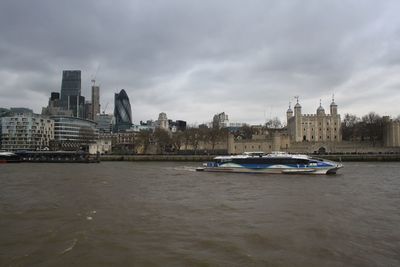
[57, 157]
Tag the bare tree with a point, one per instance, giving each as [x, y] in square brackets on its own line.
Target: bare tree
[194, 138]
[162, 139]
[214, 135]
[350, 127]
[274, 123]
[144, 139]
[186, 138]
[373, 124]
[246, 132]
[177, 140]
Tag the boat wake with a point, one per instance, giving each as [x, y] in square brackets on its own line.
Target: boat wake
[185, 168]
[74, 241]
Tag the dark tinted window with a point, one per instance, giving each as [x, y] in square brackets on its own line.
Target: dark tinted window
[270, 161]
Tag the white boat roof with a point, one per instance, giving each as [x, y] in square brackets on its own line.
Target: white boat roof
[264, 155]
[7, 154]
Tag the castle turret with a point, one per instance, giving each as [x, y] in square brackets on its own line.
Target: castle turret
[298, 120]
[333, 106]
[297, 108]
[320, 109]
[289, 112]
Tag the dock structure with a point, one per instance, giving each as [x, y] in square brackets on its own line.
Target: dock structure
[57, 157]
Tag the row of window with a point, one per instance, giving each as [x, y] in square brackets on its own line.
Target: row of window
[310, 123]
[312, 129]
[320, 137]
[266, 161]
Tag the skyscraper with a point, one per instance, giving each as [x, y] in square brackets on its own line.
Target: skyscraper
[122, 111]
[95, 101]
[71, 91]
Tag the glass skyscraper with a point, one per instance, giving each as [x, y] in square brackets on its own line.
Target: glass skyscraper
[122, 111]
[71, 91]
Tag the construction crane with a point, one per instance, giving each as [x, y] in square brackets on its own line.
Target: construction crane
[95, 74]
[104, 110]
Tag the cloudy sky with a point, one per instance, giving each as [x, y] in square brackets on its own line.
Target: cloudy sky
[194, 58]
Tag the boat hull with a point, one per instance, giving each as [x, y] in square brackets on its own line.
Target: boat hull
[9, 161]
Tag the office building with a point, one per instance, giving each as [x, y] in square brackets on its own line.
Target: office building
[20, 111]
[88, 111]
[220, 120]
[122, 111]
[162, 121]
[72, 133]
[71, 98]
[177, 126]
[54, 107]
[104, 123]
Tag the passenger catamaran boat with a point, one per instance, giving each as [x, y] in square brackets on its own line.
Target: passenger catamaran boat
[7, 157]
[276, 162]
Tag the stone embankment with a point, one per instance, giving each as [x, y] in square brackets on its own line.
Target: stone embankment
[156, 157]
[361, 157]
[335, 157]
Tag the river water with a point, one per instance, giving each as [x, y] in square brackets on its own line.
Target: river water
[166, 214]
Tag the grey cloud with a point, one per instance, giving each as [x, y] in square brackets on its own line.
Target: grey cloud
[192, 59]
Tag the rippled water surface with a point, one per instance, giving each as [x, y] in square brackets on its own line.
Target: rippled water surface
[166, 214]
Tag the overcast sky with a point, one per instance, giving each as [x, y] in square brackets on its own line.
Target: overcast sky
[194, 58]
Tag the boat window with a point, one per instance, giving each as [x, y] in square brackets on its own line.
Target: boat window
[317, 159]
[270, 161]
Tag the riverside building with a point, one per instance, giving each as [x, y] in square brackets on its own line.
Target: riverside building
[26, 131]
[72, 133]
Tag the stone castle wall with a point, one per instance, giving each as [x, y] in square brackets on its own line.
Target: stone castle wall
[391, 133]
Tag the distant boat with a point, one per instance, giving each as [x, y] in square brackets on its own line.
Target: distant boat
[9, 157]
[276, 162]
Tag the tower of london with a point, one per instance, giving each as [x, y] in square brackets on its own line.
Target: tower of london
[319, 127]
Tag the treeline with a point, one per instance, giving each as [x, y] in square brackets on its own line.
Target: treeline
[192, 138]
[195, 138]
[367, 128]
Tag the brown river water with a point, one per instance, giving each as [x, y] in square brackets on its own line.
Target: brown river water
[166, 214]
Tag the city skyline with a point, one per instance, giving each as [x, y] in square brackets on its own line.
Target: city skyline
[192, 61]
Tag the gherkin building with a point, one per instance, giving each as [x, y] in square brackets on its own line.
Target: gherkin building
[122, 112]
